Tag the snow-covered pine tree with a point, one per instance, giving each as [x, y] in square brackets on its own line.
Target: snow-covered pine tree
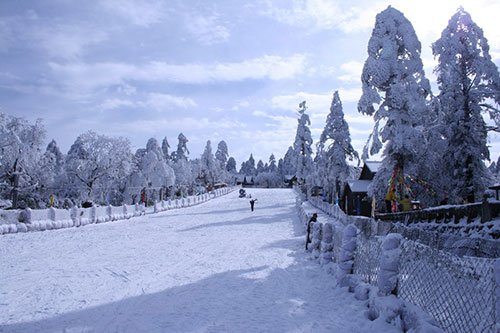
[248, 167]
[221, 155]
[334, 149]
[154, 166]
[182, 152]
[151, 171]
[165, 147]
[208, 166]
[260, 167]
[231, 165]
[51, 172]
[272, 163]
[302, 145]
[181, 165]
[289, 161]
[394, 93]
[469, 81]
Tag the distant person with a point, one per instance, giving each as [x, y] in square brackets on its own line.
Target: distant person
[406, 204]
[312, 220]
[252, 203]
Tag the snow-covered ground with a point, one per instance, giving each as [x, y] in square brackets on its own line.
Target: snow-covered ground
[216, 267]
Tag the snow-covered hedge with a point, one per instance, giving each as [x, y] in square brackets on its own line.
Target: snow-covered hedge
[12, 221]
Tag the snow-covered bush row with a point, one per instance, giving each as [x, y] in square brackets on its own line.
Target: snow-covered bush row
[47, 219]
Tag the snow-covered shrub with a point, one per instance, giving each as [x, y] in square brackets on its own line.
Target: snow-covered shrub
[326, 255]
[389, 264]
[316, 228]
[346, 258]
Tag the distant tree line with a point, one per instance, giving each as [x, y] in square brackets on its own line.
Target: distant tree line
[433, 146]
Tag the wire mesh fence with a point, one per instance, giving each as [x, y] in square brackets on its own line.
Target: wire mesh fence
[366, 261]
[459, 292]
[450, 277]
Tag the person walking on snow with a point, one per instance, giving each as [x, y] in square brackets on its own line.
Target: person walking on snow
[252, 203]
[312, 220]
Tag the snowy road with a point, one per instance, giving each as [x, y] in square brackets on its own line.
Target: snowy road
[216, 267]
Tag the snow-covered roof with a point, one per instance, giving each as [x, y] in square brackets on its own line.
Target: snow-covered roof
[359, 185]
[373, 165]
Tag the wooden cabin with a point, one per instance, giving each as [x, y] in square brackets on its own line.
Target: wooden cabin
[355, 200]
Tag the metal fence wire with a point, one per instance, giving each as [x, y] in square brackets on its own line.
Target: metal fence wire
[366, 261]
[459, 292]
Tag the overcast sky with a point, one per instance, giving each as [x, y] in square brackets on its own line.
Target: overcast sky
[213, 70]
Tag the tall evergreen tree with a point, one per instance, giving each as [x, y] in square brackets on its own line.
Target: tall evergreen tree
[335, 148]
[208, 165]
[260, 167]
[302, 145]
[221, 155]
[248, 167]
[165, 149]
[231, 165]
[394, 93]
[182, 152]
[182, 168]
[469, 81]
[272, 163]
[288, 165]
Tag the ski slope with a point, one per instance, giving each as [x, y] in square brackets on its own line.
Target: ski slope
[216, 267]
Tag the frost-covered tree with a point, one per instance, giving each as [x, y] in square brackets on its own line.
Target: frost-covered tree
[51, 171]
[221, 155]
[208, 165]
[272, 163]
[248, 167]
[334, 149]
[231, 165]
[260, 167]
[469, 83]
[182, 167]
[154, 167]
[289, 161]
[182, 152]
[95, 163]
[20, 143]
[302, 145]
[150, 171]
[394, 93]
[165, 149]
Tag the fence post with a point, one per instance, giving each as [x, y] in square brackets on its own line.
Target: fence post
[326, 255]
[52, 214]
[75, 216]
[346, 259]
[109, 212]
[389, 265]
[93, 214]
